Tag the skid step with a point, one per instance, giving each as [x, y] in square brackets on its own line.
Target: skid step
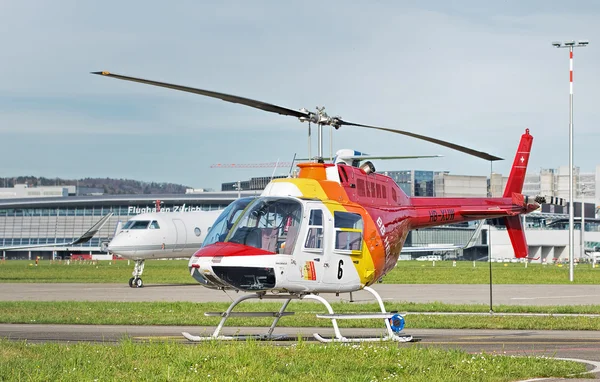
[350, 316]
[395, 338]
[248, 314]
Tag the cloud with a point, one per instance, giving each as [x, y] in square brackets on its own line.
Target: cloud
[477, 75]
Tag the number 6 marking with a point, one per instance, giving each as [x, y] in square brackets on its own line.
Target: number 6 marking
[340, 270]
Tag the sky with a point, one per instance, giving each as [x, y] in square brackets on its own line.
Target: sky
[470, 72]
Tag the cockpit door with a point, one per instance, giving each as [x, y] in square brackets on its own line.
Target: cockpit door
[306, 264]
[181, 235]
[343, 258]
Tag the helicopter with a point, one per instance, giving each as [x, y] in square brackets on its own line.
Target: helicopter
[335, 228]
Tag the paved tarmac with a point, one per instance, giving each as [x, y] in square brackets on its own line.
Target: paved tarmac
[451, 294]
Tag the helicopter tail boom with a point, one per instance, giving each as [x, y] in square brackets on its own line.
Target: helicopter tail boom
[434, 212]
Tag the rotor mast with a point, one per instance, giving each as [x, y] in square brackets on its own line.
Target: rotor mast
[320, 118]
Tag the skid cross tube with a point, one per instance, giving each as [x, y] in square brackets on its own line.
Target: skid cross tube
[390, 335]
[229, 313]
[338, 337]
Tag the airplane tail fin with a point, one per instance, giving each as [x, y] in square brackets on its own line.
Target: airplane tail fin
[519, 167]
[92, 231]
[514, 185]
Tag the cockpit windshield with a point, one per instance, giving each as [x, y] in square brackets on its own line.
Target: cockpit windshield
[269, 223]
[220, 228]
[136, 224]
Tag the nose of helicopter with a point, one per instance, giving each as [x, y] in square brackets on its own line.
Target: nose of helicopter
[235, 265]
[230, 249]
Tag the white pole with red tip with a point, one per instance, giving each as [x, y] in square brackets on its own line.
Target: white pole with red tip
[570, 45]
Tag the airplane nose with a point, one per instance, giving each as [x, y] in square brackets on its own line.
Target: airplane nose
[115, 245]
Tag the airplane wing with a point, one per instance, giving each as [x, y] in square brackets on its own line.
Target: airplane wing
[82, 239]
[450, 247]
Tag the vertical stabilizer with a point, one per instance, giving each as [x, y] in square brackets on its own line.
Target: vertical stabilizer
[514, 227]
[519, 167]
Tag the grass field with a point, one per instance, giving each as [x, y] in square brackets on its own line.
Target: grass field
[301, 361]
[186, 313]
[406, 272]
[251, 361]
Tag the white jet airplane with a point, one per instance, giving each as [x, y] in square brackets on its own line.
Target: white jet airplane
[160, 235]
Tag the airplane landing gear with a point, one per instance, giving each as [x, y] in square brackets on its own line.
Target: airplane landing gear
[136, 280]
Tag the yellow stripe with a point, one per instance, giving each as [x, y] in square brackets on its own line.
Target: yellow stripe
[311, 189]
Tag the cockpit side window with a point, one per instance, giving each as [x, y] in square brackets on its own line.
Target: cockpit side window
[221, 227]
[314, 236]
[348, 231]
[139, 224]
[154, 225]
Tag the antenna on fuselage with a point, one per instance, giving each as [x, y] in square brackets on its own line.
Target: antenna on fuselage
[292, 166]
[309, 139]
[274, 169]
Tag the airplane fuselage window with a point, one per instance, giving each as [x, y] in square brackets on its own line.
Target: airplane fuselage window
[154, 225]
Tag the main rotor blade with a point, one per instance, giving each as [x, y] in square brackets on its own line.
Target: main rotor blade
[222, 96]
[378, 157]
[386, 157]
[479, 154]
[301, 114]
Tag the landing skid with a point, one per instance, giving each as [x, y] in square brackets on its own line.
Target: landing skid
[389, 335]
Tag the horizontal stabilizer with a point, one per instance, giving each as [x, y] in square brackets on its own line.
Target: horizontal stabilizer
[489, 213]
[448, 247]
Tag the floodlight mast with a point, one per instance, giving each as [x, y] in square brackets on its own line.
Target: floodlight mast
[582, 224]
[570, 45]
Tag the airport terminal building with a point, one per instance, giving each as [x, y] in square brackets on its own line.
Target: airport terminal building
[38, 220]
[60, 214]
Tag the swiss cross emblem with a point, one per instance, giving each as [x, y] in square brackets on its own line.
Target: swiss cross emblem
[522, 159]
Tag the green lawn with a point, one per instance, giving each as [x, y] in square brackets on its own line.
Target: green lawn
[406, 272]
[251, 361]
[186, 313]
[424, 272]
[167, 361]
